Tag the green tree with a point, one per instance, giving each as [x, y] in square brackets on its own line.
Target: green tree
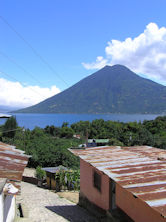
[66, 132]
[65, 124]
[52, 130]
[115, 142]
[81, 127]
[10, 127]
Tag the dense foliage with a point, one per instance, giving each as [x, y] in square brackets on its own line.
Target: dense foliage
[45, 149]
[150, 132]
[67, 180]
[40, 174]
[49, 146]
[9, 127]
[113, 89]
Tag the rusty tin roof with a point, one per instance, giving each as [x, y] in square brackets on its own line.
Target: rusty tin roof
[139, 169]
[54, 169]
[12, 163]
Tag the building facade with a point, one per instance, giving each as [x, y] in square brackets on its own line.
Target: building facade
[130, 179]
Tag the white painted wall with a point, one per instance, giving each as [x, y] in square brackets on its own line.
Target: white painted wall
[1, 206]
[9, 208]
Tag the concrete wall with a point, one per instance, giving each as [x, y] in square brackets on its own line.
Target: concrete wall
[32, 180]
[99, 198]
[7, 208]
[1, 206]
[135, 208]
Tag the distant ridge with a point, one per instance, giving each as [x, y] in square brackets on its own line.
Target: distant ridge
[7, 109]
[112, 89]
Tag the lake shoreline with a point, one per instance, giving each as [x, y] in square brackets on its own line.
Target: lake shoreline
[30, 121]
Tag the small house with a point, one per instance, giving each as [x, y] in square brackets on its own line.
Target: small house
[77, 136]
[130, 180]
[50, 176]
[97, 142]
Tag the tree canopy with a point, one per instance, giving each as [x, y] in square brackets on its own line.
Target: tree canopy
[49, 146]
[10, 127]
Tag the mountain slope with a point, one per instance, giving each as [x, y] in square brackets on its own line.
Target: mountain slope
[113, 89]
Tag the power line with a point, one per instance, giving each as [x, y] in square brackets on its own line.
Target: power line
[18, 65]
[5, 74]
[7, 131]
[32, 48]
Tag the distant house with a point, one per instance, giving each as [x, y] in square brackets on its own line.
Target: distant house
[97, 142]
[77, 136]
[50, 176]
[12, 164]
[94, 143]
[129, 179]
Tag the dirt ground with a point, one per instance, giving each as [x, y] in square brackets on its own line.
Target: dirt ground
[29, 172]
[70, 195]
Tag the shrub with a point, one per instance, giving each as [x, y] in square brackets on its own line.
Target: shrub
[40, 174]
[68, 179]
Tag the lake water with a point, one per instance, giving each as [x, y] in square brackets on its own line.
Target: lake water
[31, 120]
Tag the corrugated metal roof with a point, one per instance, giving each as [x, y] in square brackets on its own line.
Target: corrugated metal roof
[98, 140]
[4, 115]
[12, 163]
[54, 169]
[2, 184]
[140, 169]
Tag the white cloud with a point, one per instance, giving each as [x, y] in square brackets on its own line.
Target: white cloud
[100, 63]
[16, 95]
[144, 54]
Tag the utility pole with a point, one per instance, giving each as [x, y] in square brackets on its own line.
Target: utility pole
[86, 138]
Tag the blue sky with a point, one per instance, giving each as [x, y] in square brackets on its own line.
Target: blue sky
[75, 38]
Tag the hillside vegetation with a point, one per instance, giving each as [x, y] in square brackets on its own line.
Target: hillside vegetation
[113, 89]
[49, 146]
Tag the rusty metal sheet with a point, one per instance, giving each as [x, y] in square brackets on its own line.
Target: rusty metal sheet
[139, 169]
[12, 163]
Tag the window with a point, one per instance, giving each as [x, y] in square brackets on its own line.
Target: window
[112, 195]
[97, 181]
